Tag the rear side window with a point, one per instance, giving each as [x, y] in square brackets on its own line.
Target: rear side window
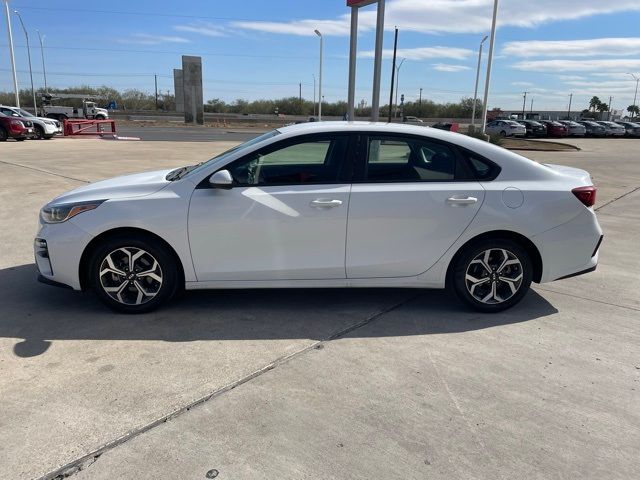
[392, 159]
[482, 169]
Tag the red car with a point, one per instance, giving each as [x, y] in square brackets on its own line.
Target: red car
[555, 129]
[12, 127]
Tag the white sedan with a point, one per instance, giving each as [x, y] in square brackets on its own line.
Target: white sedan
[327, 205]
[506, 128]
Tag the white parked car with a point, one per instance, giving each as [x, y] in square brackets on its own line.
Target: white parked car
[574, 128]
[43, 128]
[327, 204]
[506, 128]
[613, 129]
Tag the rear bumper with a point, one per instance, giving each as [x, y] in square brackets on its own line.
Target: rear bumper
[571, 248]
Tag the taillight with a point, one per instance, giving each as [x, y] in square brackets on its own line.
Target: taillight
[587, 195]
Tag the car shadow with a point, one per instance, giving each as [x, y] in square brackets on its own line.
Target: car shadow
[37, 314]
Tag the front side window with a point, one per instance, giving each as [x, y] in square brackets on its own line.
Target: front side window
[315, 161]
[409, 160]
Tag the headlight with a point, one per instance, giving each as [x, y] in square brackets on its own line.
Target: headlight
[63, 212]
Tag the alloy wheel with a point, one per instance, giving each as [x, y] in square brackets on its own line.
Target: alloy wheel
[131, 276]
[494, 276]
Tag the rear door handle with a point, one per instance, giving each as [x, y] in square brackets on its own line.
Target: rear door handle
[322, 203]
[462, 200]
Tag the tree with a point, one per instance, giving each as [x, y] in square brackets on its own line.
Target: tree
[602, 107]
[594, 103]
[634, 110]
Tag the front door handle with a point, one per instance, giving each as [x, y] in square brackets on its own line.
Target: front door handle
[462, 200]
[322, 203]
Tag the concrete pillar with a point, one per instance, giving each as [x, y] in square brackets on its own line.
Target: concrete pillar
[193, 97]
[178, 89]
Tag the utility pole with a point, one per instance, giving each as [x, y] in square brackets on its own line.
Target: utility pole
[398, 84]
[26, 34]
[569, 112]
[300, 95]
[13, 60]
[475, 95]
[489, 62]
[44, 70]
[635, 97]
[420, 104]
[609, 116]
[353, 52]
[393, 71]
[155, 77]
[531, 111]
[524, 104]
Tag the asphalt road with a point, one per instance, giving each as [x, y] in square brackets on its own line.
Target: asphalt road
[187, 134]
[332, 384]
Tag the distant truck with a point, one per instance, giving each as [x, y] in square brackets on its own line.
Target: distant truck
[88, 109]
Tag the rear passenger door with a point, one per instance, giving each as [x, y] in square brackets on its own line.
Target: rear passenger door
[412, 197]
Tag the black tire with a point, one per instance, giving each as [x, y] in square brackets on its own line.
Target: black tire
[130, 284]
[3, 135]
[503, 133]
[503, 296]
[99, 117]
[39, 132]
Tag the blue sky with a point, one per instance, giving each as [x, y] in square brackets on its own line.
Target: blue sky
[257, 49]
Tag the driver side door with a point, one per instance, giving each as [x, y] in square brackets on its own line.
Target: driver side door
[285, 217]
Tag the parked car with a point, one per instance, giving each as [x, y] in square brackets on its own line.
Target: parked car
[594, 129]
[17, 128]
[506, 128]
[555, 128]
[411, 119]
[327, 204]
[575, 129]
[613, 129]
[448, 126]
[632, 129]
[534, 129]
[43, 128]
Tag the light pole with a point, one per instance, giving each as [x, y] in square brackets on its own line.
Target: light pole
[570, 101]
[489, 62]
[44, 70]
[314, 95]
[635, 97]
[320, 78]
[524, 104]
[398, 84]
[26, 34]
[13, 60]
[475, 95]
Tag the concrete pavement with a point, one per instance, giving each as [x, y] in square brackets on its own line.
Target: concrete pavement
[315, 383]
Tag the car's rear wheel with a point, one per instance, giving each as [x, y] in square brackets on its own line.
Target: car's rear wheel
[503, 133]
[492, 275]
[133, 274]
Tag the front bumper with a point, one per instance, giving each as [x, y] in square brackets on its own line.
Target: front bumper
[58, 249]
[52, 129]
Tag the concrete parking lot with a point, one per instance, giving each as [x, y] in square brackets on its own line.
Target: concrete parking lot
[334, 384]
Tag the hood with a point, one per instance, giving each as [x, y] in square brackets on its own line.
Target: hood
[128, 186]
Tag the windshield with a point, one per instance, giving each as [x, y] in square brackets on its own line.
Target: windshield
[23, 113]
[195, 169]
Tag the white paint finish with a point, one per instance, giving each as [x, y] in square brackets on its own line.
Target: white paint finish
[268, 233]
[401, 229]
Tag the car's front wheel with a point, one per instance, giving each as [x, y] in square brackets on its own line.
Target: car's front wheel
[492, 275]
[133, 275]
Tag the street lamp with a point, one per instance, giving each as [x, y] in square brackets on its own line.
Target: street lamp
[26, 34]
[475, 95]
[13, 60]
[487, 84]
[320, 77]
[398, 83]
[314, 94]
[44, 70]
[635, 97]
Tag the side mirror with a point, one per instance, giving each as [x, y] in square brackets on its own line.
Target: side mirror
[221, 179]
